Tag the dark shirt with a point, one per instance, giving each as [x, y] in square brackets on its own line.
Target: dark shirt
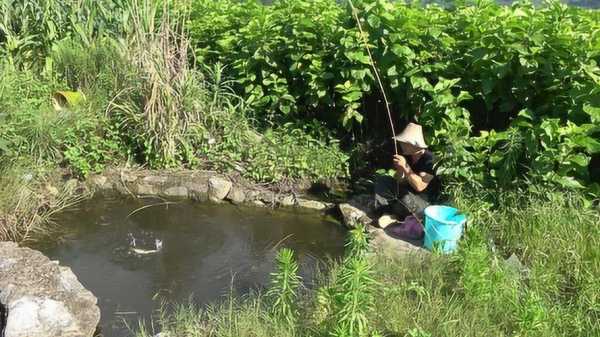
[426, 164]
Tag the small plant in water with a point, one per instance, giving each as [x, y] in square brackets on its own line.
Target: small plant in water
[284, 286]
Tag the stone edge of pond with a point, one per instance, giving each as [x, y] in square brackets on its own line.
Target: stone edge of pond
[203, 186]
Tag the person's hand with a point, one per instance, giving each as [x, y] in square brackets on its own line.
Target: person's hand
[400, 164]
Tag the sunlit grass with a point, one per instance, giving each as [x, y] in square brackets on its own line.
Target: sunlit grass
[474, 292]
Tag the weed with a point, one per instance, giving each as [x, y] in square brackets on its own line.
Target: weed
[284, 288]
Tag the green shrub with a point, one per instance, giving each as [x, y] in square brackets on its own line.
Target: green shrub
[460, 72]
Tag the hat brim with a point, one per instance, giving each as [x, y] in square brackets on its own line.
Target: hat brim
[410, 142]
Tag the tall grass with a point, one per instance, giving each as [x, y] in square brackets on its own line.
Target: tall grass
[162, 108]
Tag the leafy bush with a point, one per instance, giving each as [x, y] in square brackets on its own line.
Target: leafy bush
[459, 72]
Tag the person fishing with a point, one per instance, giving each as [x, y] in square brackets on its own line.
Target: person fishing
[415, 184]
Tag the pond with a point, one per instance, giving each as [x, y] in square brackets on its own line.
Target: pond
[205, 251]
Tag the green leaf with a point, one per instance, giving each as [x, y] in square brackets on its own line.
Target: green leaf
[593, 112]
[590, 144]
[392, 71]
[568, 182]
[419, 82]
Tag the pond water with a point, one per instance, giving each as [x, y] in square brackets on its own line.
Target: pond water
[207, 251]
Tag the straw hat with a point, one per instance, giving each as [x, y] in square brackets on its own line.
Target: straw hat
[413, 135]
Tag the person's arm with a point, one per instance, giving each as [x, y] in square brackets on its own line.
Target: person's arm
[418, 180]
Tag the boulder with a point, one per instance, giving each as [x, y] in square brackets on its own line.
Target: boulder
[218, 188]
[43, 298]
[352, 216]
[390, 246]
[237, 195]
[357, 210]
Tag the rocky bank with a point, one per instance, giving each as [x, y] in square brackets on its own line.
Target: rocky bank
[40, 298]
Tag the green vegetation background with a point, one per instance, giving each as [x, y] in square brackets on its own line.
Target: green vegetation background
[509, 97]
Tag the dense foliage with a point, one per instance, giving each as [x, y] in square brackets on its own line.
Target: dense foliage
[475, 76]
[147, 102]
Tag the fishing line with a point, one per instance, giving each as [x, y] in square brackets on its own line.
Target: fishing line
[374, 67]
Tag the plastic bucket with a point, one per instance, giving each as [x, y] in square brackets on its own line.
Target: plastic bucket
[443, 228]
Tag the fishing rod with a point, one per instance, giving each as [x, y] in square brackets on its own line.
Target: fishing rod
[374, 67]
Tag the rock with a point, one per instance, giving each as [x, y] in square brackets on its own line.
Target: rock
[218, 188]
[268, 197]
[43, 298]
[198, 191]
[386, 220]
[128, 177]
[237, 195]
[357, 210]
[252, 196]
[364, 202]
[351, 215]
[99, 181]
[287, 201]
[155, 180]
[145, 189]
[387, 245]
[258, 203]
[176, 191]
[311, 204]
[515, 265]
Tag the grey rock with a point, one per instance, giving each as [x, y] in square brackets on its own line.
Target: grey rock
[382, 243]
[258, 203]
[218, 188]
[237, 195]
[43, 298]
[268, 197]
[351, 215]
[311, 204]
[99, 181]
[198, 191]
[145, 189]
[251, 196]
[128, 177]
[155, 180]
[287, 201]
[357, 210]
[516, 266]
[176, 191]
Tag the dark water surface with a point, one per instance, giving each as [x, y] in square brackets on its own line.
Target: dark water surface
[205, 246]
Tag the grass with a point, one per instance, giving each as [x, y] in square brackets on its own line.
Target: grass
[28, 200]
[474, 292]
